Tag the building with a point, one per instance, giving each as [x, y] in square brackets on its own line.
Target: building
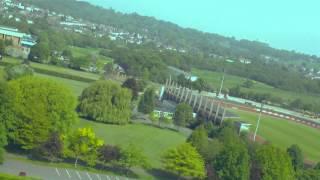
[242, 126]
[20, 43]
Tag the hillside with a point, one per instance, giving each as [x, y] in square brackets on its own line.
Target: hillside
[171, 36]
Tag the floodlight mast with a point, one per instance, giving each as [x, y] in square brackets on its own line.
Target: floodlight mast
[221, 85]
[258, 123]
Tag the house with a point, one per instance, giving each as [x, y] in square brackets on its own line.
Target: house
[20, 43]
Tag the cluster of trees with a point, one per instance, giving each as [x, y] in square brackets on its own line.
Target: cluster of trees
[106, 101]
[226, 155]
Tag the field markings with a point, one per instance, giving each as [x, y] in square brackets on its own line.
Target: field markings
[58, 172]
[98, 176]
[88, 176]
[68, 174]
[78, 175]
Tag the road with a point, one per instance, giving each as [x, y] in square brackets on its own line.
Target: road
[11, 166]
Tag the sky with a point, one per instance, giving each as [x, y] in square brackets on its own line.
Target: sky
[284, 24]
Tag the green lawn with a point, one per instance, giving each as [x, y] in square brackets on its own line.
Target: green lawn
[153, 141]
[75, 86]
[57, 69]
[284, 133]
[214, 78]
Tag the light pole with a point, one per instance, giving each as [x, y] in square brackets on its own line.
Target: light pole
[257, 127]
[221, 85]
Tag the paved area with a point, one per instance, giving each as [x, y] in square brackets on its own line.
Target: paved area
[51, 173]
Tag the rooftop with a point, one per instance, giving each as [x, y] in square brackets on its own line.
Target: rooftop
[11, 32]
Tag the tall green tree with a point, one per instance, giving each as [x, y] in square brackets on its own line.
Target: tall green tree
[2, 47]
[106, 101]
[83, 144]
[233, 162]
[183, 115]
[39, 107]
[134, 86]
[184, 161]
[40, 52]
[147, 101]
[273, 163]
[3, 141]
[199, 140]
[296, 156]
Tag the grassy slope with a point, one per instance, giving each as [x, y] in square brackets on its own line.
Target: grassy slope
[284, 133]
[214, 78]
[153, 141]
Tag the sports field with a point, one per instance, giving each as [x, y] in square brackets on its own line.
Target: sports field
[283, 133]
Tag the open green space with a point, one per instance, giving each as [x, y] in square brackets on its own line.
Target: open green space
[57, 69]
[283, 133]
[76, 86]
[153, 141]
[83, 52]
[214, 78]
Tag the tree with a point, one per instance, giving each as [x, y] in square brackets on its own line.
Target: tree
[17, 71]
[79, 62]
[38, 107]
[40, 52]
[309, 174]
[133, 85]
[273, 163]
[2, 47]
[108, 153]
[83, 144]
[106, 101]
[317, 166]
[184, 161]
[50, 150]
[248, 83]
[296, 155]
[183, 115]
[132, 156]
[199, 140]
[147, 101]
[3, 141]
[233, 162]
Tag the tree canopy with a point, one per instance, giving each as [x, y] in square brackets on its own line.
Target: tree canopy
[106, 101]
[147, 101]
[38, 108]
[184, 161]
[273, 163]
[296, 156]
[183, 115]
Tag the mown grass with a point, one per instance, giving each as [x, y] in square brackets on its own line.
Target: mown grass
[283, 133]
[214, 78]
[57, 69]
[76, 86]
[152, 141]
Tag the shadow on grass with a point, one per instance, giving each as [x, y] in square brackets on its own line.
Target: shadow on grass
[161, 174]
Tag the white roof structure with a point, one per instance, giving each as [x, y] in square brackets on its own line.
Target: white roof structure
[11, 32]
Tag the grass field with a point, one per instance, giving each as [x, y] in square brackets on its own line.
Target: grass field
[57, 69]
[153, 141]
[284, 133]
[12, 177]
[214, 78]
[75, 86]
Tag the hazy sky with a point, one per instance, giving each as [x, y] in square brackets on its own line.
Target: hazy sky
[288, 24]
